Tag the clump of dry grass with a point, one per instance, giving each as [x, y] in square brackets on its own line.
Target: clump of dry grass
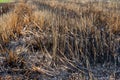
[22, 13]
[14, 22]
[11, 27]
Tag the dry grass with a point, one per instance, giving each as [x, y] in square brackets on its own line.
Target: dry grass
[57, 39]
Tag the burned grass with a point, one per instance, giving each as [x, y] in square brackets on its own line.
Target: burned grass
[40, 40]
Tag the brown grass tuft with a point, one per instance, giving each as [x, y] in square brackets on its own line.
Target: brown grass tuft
[22, 13]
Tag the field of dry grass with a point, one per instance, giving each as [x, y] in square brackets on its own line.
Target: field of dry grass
[60, 40]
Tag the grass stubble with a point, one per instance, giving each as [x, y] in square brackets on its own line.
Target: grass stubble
[60, 40]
